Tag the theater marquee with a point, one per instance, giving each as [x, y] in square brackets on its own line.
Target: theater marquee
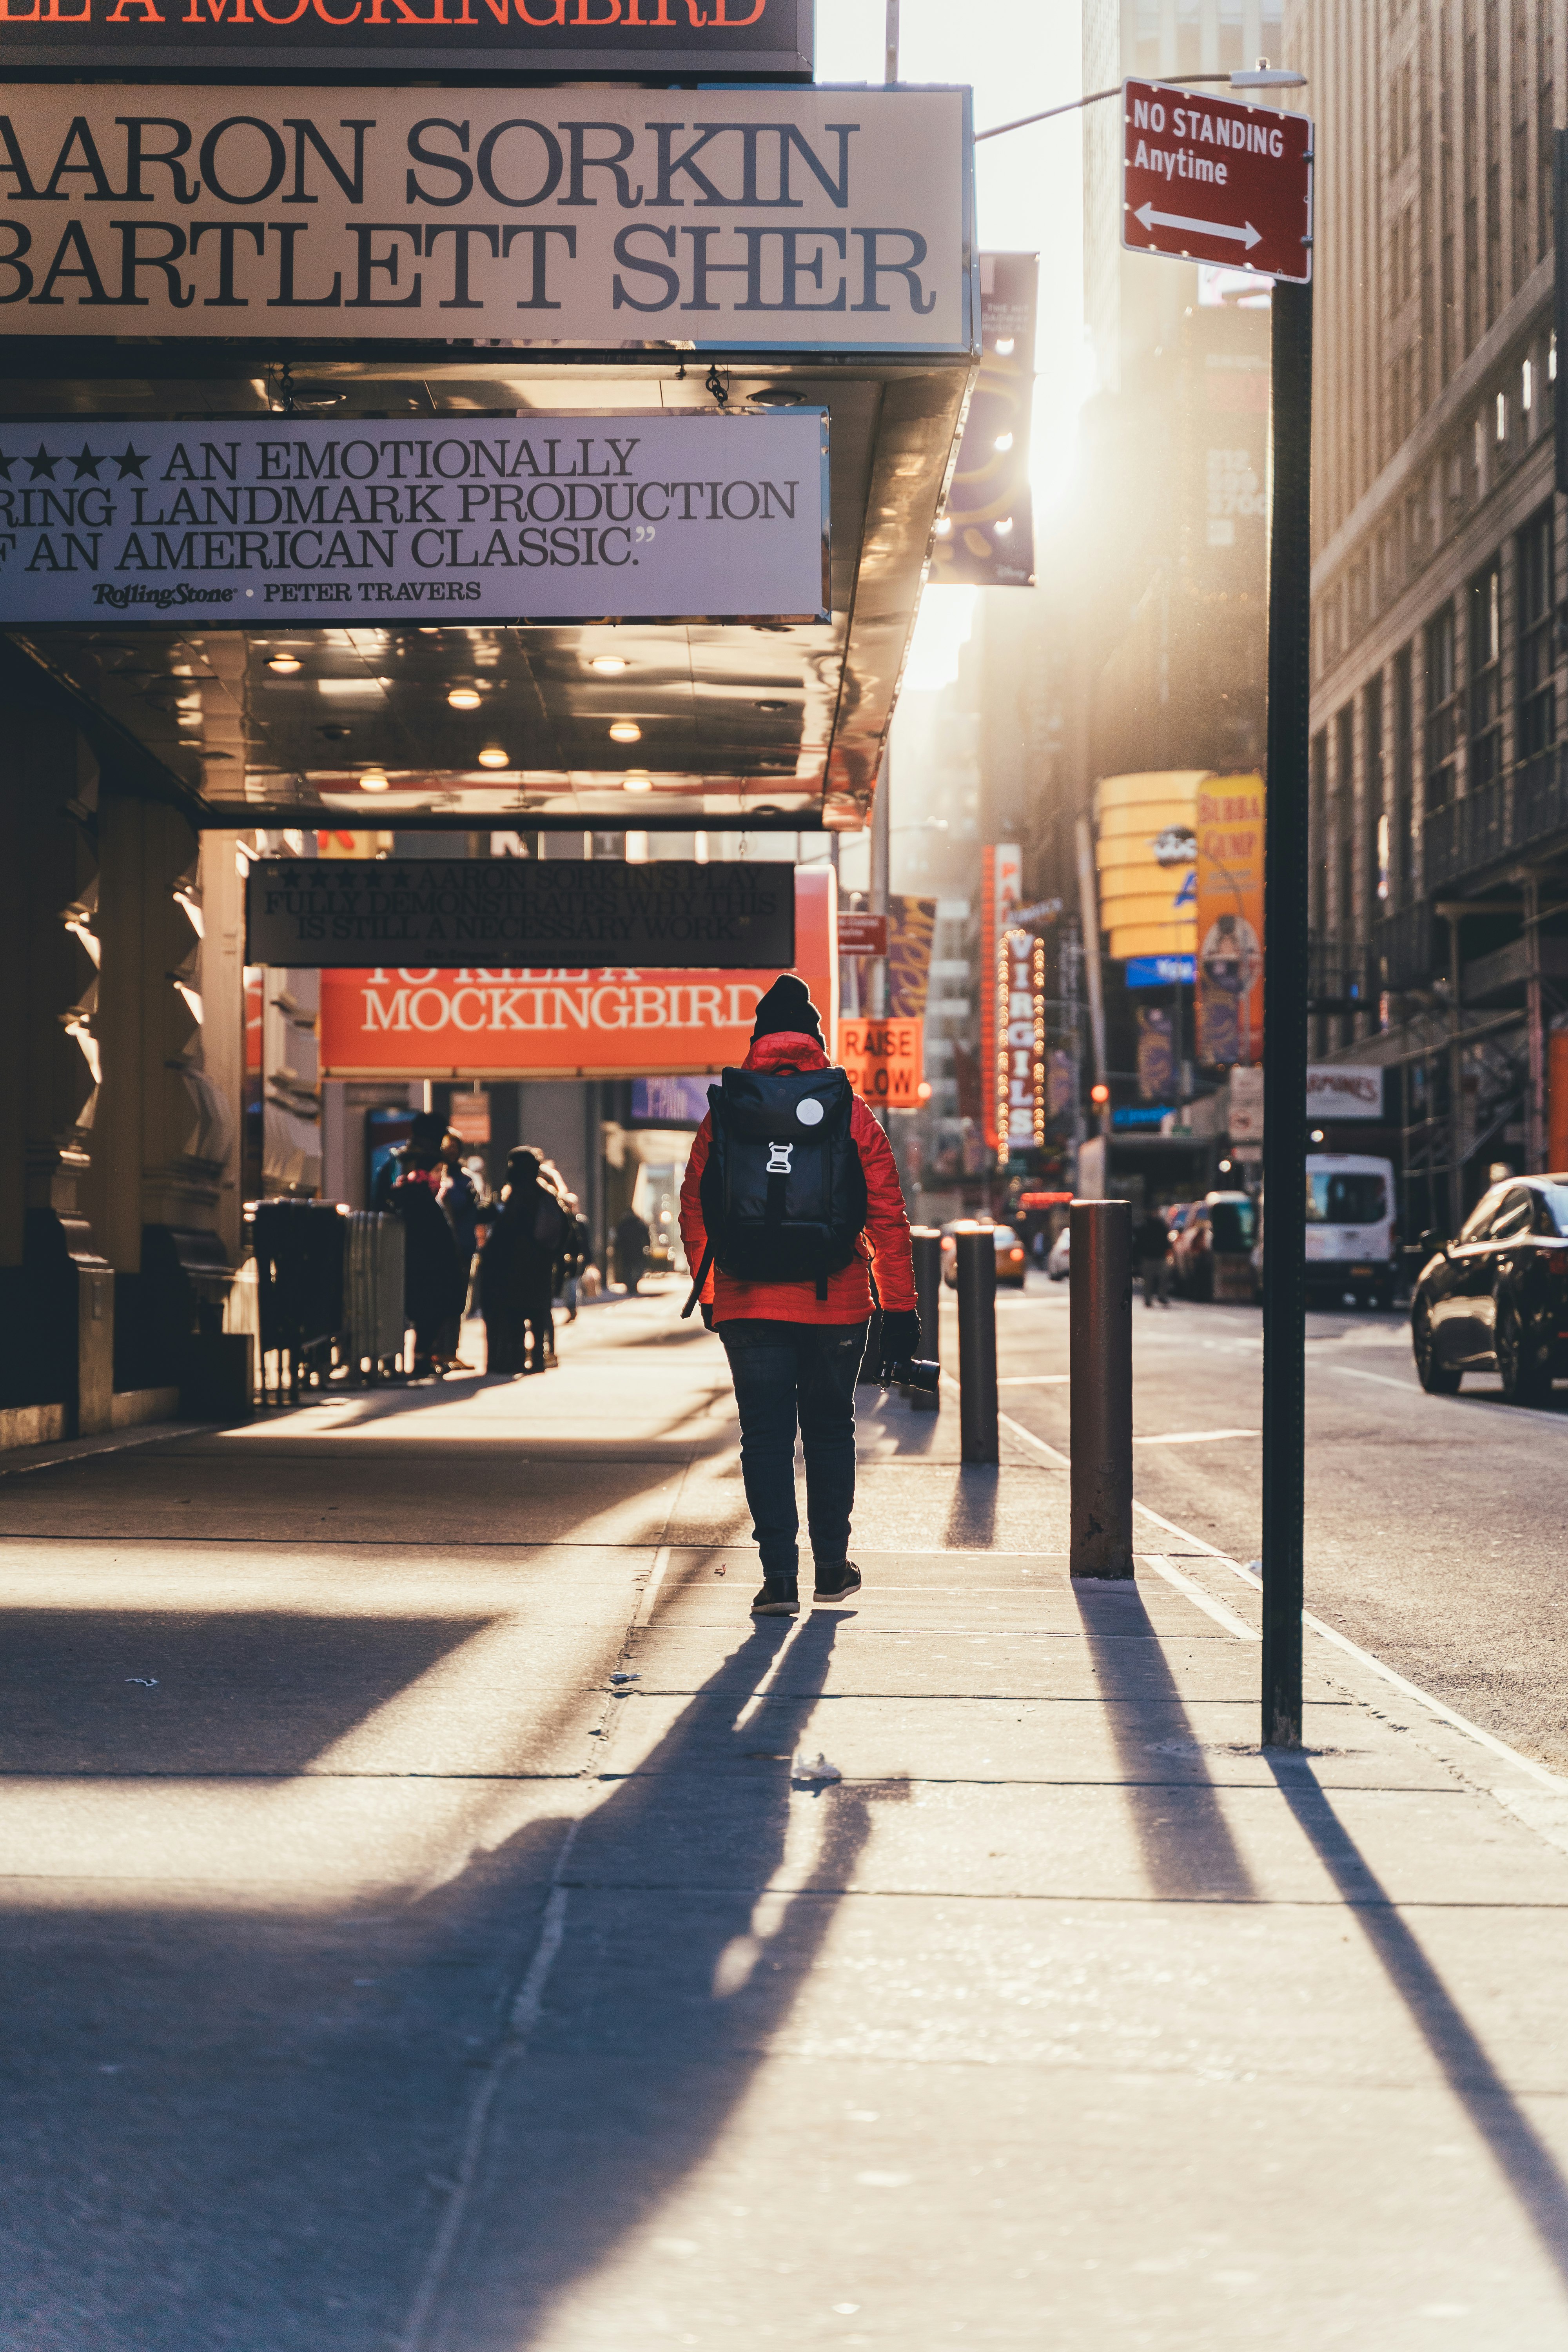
[564, 1021]
[769, 40]
[823, 219]
[665, 516]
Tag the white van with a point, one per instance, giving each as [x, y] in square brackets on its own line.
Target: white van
[1350, 1228]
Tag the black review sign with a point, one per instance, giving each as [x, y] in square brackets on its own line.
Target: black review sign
[503, 913]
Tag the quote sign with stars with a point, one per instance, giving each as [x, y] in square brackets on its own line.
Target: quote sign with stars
[1214, 180]
[693, 515]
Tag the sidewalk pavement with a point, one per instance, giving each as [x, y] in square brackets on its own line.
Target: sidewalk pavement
[381, 1971]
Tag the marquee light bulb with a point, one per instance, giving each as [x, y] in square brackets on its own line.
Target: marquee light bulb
[374, 779]
[284, 664]
[495, 755]
[626, 730]
[463, 697]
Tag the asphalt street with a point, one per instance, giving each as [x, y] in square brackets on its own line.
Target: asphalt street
[1437, 1527]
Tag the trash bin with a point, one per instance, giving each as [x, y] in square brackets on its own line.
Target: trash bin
[299, 1252]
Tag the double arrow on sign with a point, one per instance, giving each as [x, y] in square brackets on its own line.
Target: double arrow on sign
[1246, 236]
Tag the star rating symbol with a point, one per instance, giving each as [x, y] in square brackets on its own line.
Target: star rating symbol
[42, 464]
[130, 461]
[86, 463]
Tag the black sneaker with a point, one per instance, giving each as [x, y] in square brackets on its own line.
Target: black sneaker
[779, 1597]
[837, 1583]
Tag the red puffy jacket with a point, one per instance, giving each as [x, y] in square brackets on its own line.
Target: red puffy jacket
[884, 1245]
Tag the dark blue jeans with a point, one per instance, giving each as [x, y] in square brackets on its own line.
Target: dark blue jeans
[787, 1374]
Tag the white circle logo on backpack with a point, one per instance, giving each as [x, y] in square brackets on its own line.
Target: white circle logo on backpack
[809, 1111]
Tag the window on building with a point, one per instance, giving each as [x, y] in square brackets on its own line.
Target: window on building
[1404, 770]
[1317, 820]
[1442, 708]
[1537, 696]
[1376, 834]
[1344, 824]
[1527, 386]
[1501, 428]
[1189, 36]
[1484, 596]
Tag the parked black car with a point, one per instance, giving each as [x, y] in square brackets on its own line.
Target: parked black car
[1497, 1298]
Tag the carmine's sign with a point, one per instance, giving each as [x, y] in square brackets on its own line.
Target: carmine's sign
[670, 517]
[611, 216]
[500, 913]
[719, 39]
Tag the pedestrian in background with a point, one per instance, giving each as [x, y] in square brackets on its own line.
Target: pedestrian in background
[632, 1238]
[579, 1243]
[1151, 1249]
[820, 1202]
[434, 1282]
[516, 1269]
[462, 1207]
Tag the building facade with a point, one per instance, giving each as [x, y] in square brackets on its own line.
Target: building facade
[1440, 792]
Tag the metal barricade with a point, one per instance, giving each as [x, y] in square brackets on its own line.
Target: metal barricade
[374, 1325]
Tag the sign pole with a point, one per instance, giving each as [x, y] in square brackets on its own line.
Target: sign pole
[1286, 873]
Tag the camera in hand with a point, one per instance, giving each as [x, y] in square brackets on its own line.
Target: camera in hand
[913, 1373]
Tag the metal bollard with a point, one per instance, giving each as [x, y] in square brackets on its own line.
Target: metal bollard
[925, 1244]
[978, 1437]
[1101, 1358]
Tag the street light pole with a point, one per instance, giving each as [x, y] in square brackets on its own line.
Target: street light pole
[1285, 1016]
[1286, 852]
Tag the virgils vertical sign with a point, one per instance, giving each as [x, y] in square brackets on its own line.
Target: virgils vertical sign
[1230, 812]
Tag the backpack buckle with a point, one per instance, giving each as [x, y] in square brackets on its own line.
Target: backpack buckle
[778, 1159]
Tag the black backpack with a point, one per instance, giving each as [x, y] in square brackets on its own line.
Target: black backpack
[784, 1192]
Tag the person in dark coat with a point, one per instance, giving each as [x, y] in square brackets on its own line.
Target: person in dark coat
[1151, 1248]
[632, 1238]
[434, 1280]
[516, 1269]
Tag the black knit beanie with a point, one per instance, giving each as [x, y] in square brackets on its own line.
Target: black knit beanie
[787, 1006]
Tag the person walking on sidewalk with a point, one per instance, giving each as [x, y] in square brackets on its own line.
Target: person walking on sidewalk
[517, 1267]
[791, 1200]
[1151, 1248]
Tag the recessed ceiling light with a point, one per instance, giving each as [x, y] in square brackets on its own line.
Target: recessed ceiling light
[495, 755]
[639, 781]
[373, 779]
[609, 662]
[463, 697]
[284, 664]
[626, 730]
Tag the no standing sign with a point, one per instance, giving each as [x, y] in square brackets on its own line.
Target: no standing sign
[1210, 179]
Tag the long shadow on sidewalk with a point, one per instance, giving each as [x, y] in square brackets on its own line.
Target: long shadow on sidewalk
[1184, 1839]
[675, 1972]
[1521, 2156]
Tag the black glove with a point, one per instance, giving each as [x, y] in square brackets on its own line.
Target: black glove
[900, 1338]
[707, 1314]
